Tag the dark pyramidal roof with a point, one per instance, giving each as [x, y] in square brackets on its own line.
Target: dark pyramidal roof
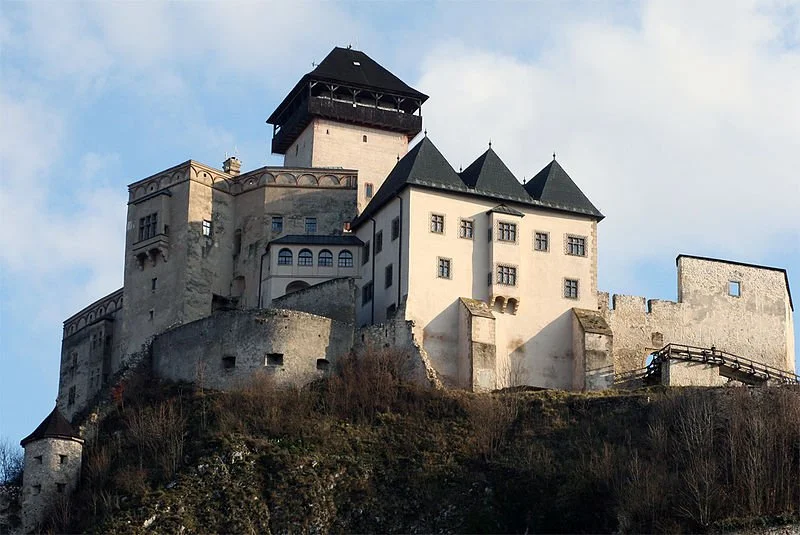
[353, 67]
[553, 185]
[317, 239]
[54, 426]
[489, 174]
[486, 177]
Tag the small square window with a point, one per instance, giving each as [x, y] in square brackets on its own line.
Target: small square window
[541, 241]
[206, 227]
[363, 138]
[274, 359]
[228, 362]
[277, 223]
[570, 288]
[311, 225]
[576, 246]
[507, 275]
[38, 459]
[437, 223]
[465, 229]
[734, 288]
[395, 228]
[389, 275]
[323, 365]
[62, 459]
[379, 242]
[444, 268]
[507, 232]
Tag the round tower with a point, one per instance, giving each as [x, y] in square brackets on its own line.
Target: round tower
[52, 467]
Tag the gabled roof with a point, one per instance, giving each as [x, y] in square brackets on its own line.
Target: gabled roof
[54, 426]
[423, 165]
[553, 186]
[503, 209]
[489, 174]
[314, 239]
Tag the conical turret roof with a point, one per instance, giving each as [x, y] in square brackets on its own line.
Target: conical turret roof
[54, 426]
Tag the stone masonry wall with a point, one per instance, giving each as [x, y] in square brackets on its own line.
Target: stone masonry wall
[225, 350]
[335, 299]
[52, 470]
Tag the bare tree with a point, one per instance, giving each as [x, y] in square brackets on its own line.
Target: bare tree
[11, 463]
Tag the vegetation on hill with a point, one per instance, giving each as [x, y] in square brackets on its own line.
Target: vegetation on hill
[361, 451]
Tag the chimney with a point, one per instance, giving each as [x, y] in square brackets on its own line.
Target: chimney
[232, 166]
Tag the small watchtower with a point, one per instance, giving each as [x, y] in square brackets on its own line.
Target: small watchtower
[52, 467]
[348, 112]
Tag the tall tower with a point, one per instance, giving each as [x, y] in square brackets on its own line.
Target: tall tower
[348, 112]
[52, 468]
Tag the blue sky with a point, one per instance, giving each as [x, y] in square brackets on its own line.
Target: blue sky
[680, 120]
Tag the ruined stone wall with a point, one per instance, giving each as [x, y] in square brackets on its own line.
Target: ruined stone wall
[225, 350]
[335, 299]
[52, 471]
[754, 325]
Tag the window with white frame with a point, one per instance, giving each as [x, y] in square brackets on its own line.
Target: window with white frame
[437, 223]
[506, 231]
[734, 288]
[507, 275]
[571, 288]
[465, 228]
[576, 245]
[206, 227]
[444, 268]
[305, 258]
[345, 259]
[311, 225]
[325, 258]
[368, 190]
[285, 257]
[148, 226]
[541, 241]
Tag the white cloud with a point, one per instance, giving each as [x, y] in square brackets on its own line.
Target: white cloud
[684, 130]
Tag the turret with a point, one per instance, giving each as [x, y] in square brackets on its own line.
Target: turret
[52, 468]
[348, 112]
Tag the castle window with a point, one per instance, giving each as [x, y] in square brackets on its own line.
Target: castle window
[148, 226]
[368, 190]
[277, 223]
[62, 459]
[444, 268]
[345, 259]
[285, 257]
[507, 275]
[251, 249]
[364, 139]
[570, 288]
[379, 242]
[465, 229]
[323, 365]
[326, 258]
[576, 246]
[206, 227]
[71, 396]
[228, 362]
[38, 459]
[389, 275]
[237, 242]
[60, 487]
[395, 228]
[311, 225]
[305, 258]
[366, 293]
[365, 252]
[152, 314]
[507, 231]
[734, 288]
[541, 241]
[37, 489]
[274, 359]
[437, 223]
[153, 283]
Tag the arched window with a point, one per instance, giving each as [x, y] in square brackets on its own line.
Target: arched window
[325, 258]
[285, 257]
[295, 286]
[305, 258]
[345, 259]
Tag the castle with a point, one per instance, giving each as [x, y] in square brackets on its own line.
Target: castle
[358, 242]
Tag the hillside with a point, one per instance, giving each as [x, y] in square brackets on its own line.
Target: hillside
[362, 452]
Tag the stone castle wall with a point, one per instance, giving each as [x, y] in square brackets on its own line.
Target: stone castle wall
[225, 350]
[335, 299]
